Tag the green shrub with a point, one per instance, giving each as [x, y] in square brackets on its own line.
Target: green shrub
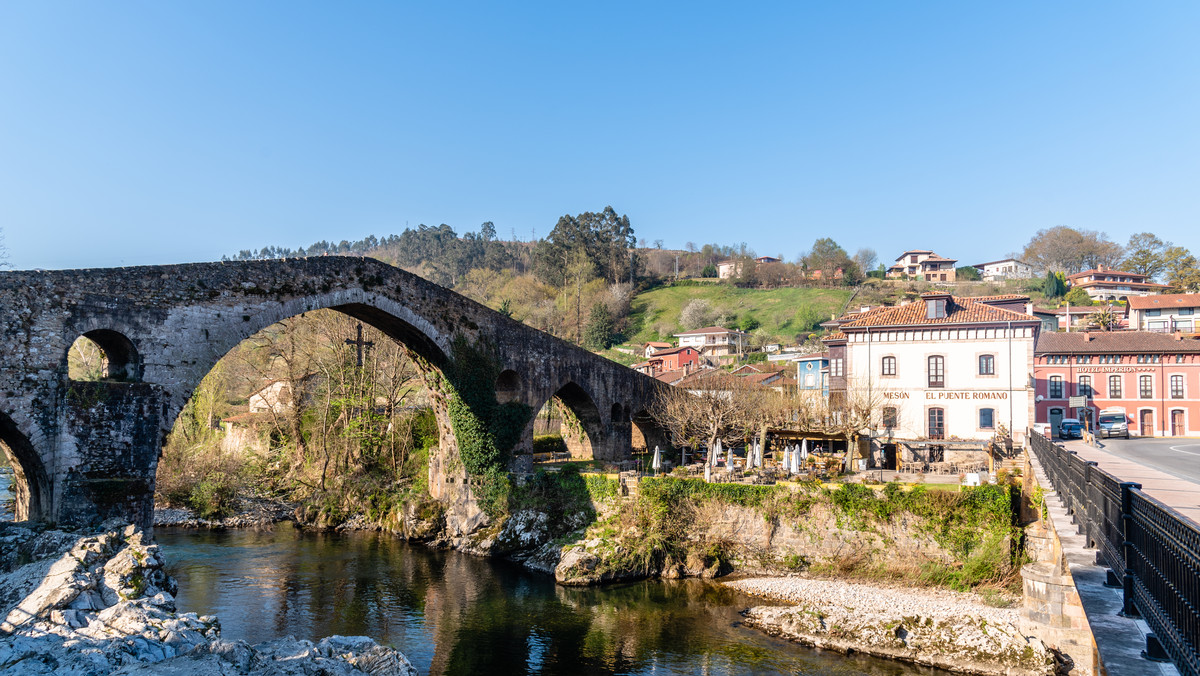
[214, 497]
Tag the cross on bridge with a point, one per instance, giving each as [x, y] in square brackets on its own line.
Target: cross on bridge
[360, 343]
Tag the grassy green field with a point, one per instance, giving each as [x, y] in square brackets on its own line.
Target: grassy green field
[784, 313]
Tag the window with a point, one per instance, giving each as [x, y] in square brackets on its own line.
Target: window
[1178, 359]
[937, 423]
[835, 368]
[937, 371]
[987, 365]
[1114, 387]
[912, 259]
[1056, 388]
[890, 417]
[935, 308]
[1187, 310]
[889, 366]
[1177, 387]
[987, 418]
[1153, 313]
[1085, 386]
[1146, 387]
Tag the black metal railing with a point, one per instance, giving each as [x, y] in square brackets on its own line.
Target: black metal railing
[1152, 551]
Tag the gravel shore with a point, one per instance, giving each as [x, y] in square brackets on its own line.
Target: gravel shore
[934, 627]
[874, 599]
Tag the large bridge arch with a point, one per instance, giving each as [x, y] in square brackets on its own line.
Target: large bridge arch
[180, 320]
[216, 334]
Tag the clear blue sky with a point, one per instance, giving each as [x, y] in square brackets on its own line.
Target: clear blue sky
[156, 132]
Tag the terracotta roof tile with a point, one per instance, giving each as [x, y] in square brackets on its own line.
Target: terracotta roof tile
[676, 350]
[1114, 342]
[671, 377]
[1164, 301]
[764, 378]
[959, 311]
[1003, 296]
[1094, 271]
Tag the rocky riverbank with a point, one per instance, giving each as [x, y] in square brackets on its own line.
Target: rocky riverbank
[100, 603]
[931, 627]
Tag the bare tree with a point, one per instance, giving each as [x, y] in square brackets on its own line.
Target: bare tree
[865, 258]
[1068, 250]
[3, 252]
[697, 313]
[721, 407]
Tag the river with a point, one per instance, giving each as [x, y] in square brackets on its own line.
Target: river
[452, 613]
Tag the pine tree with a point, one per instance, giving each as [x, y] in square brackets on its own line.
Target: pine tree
[599, 333]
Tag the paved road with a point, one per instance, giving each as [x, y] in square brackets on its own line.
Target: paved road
[1177, 457]
[1168, 469]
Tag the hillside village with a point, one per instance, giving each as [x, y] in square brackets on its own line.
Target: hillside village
[914, 329]
[919, 365]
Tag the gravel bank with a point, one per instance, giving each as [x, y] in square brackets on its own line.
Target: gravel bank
[864, 598]
[933, 627]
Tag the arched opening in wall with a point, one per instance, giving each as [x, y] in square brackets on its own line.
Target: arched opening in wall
[508, 386]
[646, 434]
[618, 413]
[103, 355]
[24, 485]
[568, 425]
[321, 409]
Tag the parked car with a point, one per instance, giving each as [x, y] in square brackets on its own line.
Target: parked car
[1112, 424]
[1070, 428]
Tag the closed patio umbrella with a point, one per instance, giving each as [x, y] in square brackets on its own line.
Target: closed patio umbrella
[656, 464]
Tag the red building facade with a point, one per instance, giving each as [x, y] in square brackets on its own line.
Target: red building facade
[676, 359]
[1154, 378]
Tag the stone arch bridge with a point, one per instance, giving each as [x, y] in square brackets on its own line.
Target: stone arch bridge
[86, 451]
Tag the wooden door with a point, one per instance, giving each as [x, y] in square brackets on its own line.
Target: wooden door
[889, 456]
[1177, 423]
[1146, 423]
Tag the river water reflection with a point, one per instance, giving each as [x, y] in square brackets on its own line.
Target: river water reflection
[451, 613]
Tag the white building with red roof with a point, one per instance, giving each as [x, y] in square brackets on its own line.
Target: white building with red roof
[947, 373]
[1165, 313]
[715, 341]
[651, 347]
[1104, 284]
[923, 264]
[1008, 268]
